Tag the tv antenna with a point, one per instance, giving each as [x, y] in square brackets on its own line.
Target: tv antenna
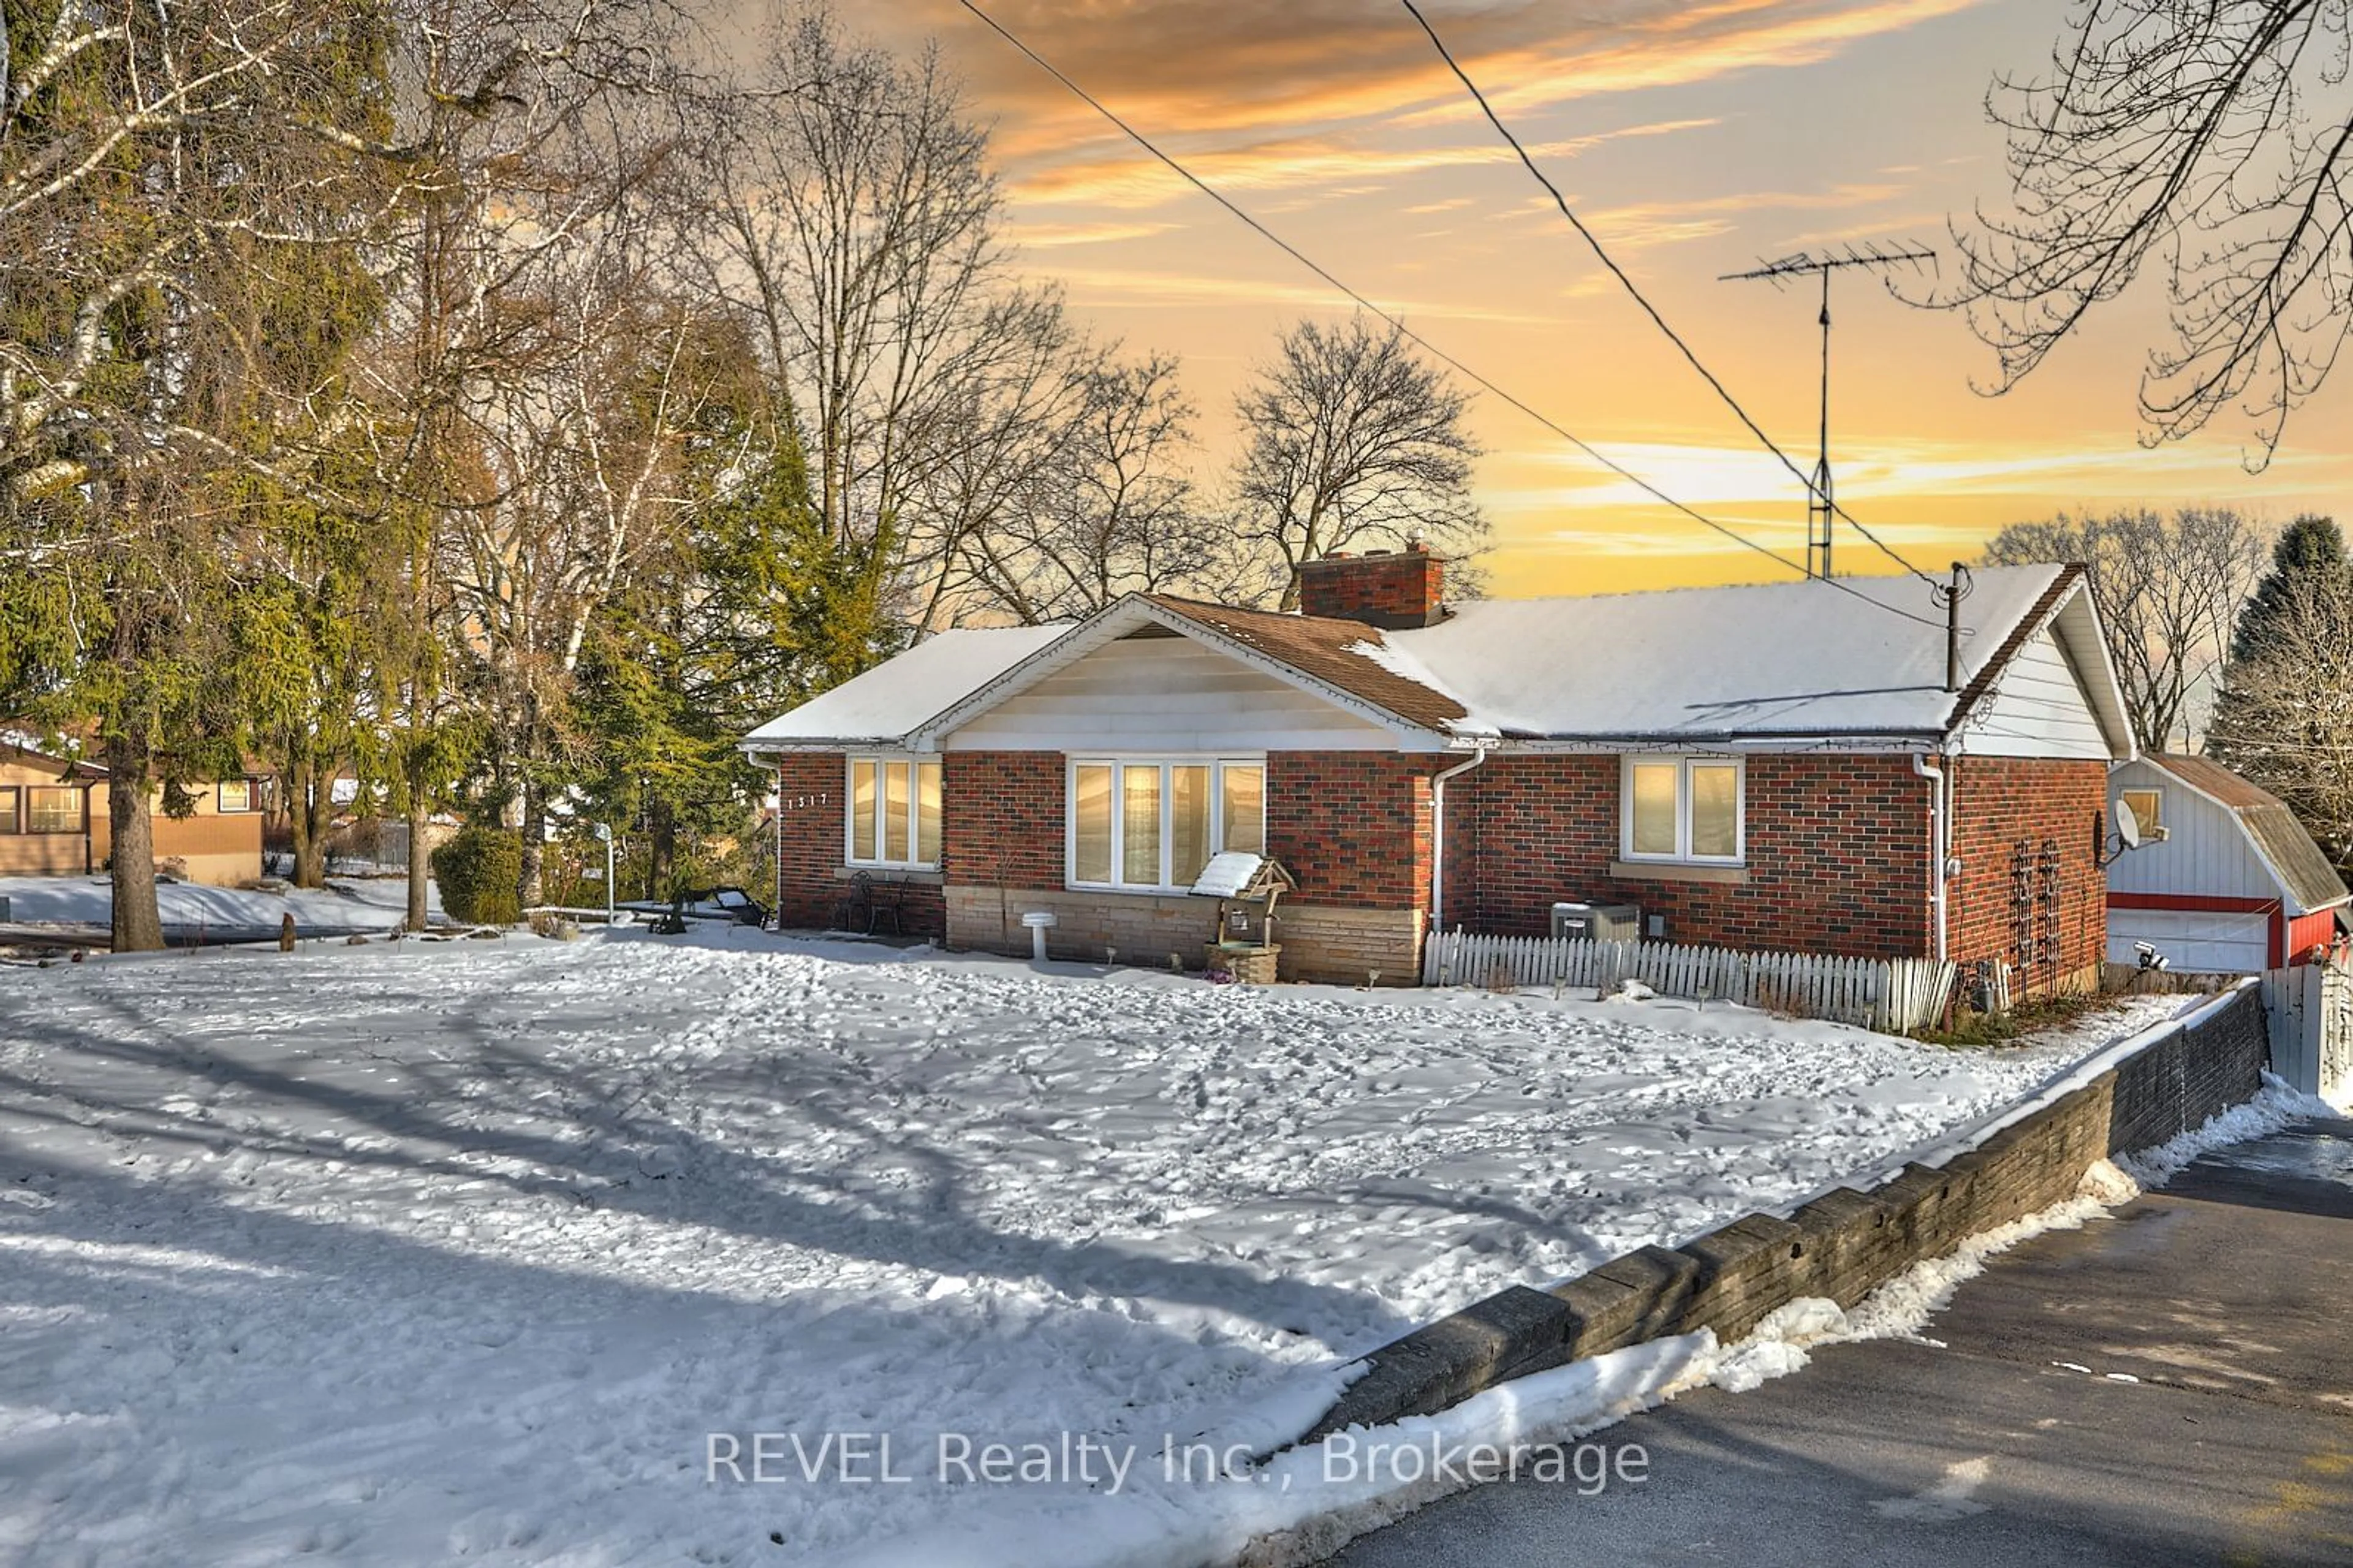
[1821, 513]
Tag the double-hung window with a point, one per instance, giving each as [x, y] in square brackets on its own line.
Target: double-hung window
[52, 809]
[231, 797]
[11, 809]
[894, 812]
[1685, 809]
[1150, 824]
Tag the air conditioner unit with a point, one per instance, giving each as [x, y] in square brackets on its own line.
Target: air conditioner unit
[1598, 922]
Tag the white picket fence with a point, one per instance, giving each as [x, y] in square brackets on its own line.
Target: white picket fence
[1895, 994]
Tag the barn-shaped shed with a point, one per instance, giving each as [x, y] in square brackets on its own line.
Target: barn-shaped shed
[2226, 881]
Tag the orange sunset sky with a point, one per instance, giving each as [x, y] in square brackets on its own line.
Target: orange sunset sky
[1694, 140]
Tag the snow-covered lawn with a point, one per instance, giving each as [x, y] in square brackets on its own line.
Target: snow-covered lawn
[194, 908]
[403, 1254]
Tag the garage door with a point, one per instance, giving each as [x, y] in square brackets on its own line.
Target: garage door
[2194, 942]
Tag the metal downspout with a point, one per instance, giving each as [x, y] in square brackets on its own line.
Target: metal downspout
[1437, 836]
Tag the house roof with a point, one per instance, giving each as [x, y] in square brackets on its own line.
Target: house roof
[1336, 651]
[898, 697]
[2302, 867]
[15, 748]
[1788, 660]
[1792, 662]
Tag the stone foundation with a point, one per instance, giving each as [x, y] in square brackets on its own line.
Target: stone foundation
[1320, 943]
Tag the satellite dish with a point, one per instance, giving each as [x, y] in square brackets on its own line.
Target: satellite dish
[2127, 825]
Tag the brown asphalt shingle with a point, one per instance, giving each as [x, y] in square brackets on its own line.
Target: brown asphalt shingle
[1320, 647]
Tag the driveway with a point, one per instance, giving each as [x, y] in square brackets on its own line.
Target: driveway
[2173, 1385]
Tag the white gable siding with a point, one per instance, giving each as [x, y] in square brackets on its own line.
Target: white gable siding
[2036, 710]
[2205, 849]
[1165, 694]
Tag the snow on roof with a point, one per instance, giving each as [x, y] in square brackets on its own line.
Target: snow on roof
[894, 698]
[1227, 873]
[1791, 659]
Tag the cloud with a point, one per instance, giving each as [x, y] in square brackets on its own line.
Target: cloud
[1643, 224]
[1212, 65]
[1048, 236]
[1122, 288]
[1136, 181]
[1891, 470]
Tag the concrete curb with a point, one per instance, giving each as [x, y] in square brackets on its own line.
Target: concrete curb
[1842, 1244]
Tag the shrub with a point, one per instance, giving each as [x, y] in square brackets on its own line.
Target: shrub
[478, 871]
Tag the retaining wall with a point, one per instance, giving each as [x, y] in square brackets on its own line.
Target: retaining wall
[1841, 1245]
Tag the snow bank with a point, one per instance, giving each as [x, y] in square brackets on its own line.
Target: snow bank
[375, 904]
[1555, 1405]
[415, 1253]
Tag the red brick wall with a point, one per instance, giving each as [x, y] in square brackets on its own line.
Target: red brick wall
[810, 787]
[1352, 826]
[1837, 851]
[1398, 590]
[1837, 846]
[813, 787]
[1001, 819]
[2007, 806]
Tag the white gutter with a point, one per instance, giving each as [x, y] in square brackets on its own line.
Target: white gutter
[1937, 836]
[1437, 836]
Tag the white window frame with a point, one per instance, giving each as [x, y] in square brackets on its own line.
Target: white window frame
[2155, 819]
[917, 761]
[1683, 765]
[81, 810]
[220, 800]
[1217, 763]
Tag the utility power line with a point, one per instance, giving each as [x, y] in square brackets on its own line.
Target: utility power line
[1722, 391]
[1133, 134]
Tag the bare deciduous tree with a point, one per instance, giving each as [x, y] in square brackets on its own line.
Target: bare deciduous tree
[853, 218]
[1109, 509]
[2211, 140]
[1352, 438]
[2169, 591]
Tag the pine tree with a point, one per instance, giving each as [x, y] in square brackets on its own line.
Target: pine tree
[754, 610]
[188, 195]
[2309, 549]
[2284, 718]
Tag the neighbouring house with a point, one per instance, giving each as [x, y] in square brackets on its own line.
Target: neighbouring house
[53, 822]
[2226, 881]
[1773, 768]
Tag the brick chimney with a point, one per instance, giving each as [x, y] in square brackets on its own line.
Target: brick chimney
[1380, 587]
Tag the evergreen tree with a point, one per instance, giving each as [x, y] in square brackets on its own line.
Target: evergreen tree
[2310, 549]
[2284, 718]
[188, 191]
[757, 609]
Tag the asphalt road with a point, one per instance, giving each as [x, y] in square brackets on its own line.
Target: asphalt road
[2173, 1385]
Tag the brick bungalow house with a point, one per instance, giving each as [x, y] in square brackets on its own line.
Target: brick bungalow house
[1777, 768]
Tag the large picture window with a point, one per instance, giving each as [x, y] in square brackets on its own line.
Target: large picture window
[894, 812]
[1683, 809]
[1150, 824]
[50, 808]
